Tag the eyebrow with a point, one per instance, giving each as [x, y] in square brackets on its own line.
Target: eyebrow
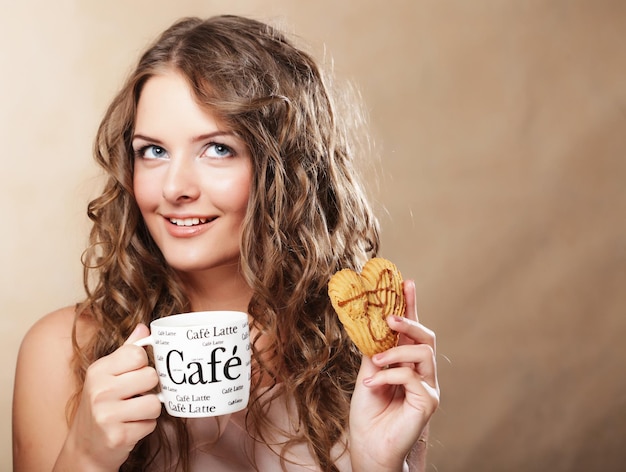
[195, 139]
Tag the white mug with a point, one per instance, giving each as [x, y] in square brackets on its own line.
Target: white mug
[203, 362]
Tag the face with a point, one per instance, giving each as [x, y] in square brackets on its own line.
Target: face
[192, 177]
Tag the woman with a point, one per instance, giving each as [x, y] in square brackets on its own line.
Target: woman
[230, 186]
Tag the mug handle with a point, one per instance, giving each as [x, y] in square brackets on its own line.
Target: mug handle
[149, 341]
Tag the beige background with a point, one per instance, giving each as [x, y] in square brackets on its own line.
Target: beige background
[501, 127]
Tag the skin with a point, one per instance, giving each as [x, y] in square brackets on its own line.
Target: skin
[189, 165]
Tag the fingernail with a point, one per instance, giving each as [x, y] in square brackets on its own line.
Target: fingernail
[368, 381]
[397, 319]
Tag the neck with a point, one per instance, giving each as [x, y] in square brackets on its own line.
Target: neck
[222, 288]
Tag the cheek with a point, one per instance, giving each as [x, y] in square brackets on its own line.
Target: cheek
[234, 192]
[146, 194]
[243, 194]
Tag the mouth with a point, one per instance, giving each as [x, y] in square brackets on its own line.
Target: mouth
[190, 221]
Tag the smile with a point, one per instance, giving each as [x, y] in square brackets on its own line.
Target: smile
[189, 221]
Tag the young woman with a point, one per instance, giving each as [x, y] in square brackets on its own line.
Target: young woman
[230, 186]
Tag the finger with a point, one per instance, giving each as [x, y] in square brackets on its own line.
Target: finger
[408, 378]
[144, 407]
[141, 408]
[419, 357]
[140, 331]
[137, 382]
[410, 296]
[105, 388]
[126, 358]
[412, 331]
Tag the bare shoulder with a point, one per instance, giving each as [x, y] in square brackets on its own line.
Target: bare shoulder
[50, 337]
[45, 355]
[44, 364]
[54, 331]
[55, 326]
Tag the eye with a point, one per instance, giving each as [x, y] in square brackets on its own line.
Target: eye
[151, 152]
[219, 151]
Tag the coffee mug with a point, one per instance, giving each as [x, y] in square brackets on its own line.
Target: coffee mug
[203, 362]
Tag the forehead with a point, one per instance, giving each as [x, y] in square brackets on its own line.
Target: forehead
[167, 103]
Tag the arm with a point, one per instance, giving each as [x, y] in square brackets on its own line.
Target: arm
[111, 416]
[43, 385]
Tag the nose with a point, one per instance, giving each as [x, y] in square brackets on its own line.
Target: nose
[180, 183]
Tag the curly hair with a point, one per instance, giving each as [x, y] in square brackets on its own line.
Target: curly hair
[306, 218]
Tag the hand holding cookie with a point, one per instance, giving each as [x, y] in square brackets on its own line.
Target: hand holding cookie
[364, 301]
[395, 395]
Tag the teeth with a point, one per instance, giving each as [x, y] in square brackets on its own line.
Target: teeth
[188, 221]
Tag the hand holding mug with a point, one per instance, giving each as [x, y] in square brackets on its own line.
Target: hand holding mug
[115, 411]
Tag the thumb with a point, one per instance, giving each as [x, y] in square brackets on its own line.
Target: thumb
[411, 299]
[140, 331]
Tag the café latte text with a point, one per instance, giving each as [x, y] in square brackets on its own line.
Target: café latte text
[204, 333]
[218, 367]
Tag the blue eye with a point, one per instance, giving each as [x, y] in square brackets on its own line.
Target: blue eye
[216, 150]
[152, 152]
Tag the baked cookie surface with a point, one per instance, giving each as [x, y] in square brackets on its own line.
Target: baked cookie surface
[363, 302]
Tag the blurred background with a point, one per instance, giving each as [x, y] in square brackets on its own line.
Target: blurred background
[500, 128]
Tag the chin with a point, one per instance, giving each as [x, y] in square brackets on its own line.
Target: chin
[197, 264]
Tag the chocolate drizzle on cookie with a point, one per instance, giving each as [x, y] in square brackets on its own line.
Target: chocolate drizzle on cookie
[363, 301]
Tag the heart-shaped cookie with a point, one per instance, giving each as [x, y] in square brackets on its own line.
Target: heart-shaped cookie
[363, 302]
